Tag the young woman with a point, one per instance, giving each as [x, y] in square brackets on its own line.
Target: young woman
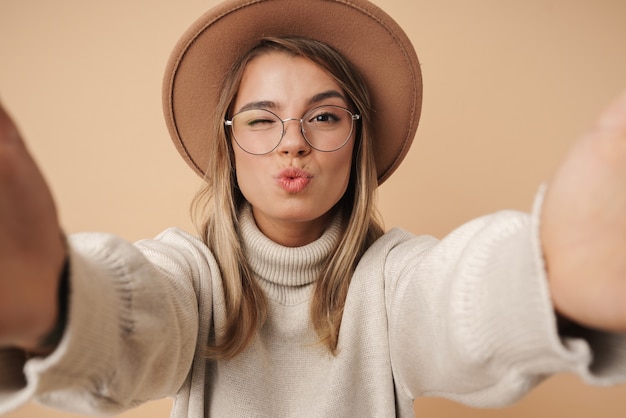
[293, 301]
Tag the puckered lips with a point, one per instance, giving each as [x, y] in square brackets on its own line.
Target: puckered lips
[294, 180]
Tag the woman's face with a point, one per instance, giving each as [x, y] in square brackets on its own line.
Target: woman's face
[292, 188]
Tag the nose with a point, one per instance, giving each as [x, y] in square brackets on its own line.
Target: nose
[293, 141]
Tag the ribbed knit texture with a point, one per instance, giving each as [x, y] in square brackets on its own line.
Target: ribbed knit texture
[282, 270]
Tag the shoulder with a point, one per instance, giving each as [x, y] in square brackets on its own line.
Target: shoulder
[399, 243]
[395, 250]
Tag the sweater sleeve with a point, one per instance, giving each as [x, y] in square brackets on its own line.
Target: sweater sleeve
[131, 331]
[471, 319]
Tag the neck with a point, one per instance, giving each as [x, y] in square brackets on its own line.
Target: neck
[290, 233]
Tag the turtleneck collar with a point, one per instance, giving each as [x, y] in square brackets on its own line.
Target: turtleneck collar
[285, 266]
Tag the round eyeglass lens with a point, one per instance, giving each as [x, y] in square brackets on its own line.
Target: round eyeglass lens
[328, 128]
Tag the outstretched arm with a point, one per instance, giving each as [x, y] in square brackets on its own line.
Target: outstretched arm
[583, 227]
[32, 251]
[133, 314]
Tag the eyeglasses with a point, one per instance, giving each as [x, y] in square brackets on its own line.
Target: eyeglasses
[325, 128]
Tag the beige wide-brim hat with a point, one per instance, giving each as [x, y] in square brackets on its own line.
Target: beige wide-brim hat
[359, 30]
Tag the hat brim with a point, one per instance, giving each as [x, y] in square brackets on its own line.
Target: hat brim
[360, 31]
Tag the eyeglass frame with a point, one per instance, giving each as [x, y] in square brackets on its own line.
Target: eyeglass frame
[353, 117]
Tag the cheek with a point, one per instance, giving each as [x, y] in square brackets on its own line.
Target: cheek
[346, 161]
[245, 173]
[340, 169]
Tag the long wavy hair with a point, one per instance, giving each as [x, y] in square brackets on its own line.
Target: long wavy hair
[217, 206]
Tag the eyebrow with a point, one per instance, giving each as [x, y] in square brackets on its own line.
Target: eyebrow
[268, 104]
[325, 95]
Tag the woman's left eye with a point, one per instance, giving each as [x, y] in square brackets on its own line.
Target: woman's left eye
[325, 117]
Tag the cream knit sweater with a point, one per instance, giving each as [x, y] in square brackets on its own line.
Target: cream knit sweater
[468, 318]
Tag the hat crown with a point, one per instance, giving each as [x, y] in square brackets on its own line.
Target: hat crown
[359, 30]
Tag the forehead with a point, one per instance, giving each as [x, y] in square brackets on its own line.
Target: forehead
[282, 78]
[274, 60]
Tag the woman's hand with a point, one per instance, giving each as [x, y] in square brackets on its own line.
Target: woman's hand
[583, 226]
[32, 250]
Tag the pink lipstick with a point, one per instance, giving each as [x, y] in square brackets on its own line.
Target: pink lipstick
[293, 180]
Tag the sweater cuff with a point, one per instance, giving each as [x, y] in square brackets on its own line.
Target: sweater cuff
[82, 351]
[512, 266]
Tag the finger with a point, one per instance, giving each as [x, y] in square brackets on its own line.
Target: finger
[615, 115]
[604, 146]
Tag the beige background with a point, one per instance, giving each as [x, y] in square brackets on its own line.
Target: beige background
[508, 86]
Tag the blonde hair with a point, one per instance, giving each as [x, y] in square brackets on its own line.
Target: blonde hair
[216, 209]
